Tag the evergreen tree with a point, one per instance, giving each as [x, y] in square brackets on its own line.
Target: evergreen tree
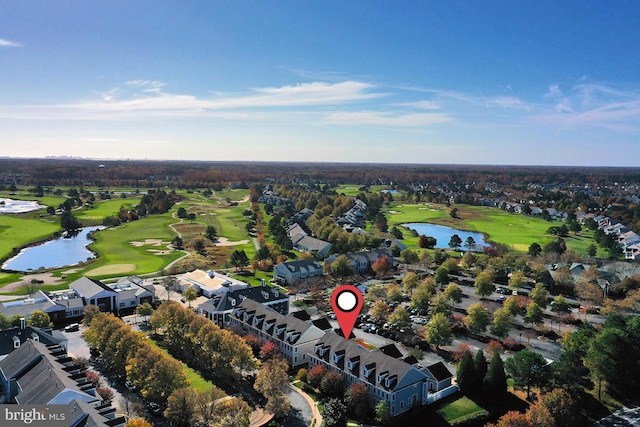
[495, 381]
[466, 374]
[480, 365]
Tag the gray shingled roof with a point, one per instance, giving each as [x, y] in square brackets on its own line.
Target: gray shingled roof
[89, 288]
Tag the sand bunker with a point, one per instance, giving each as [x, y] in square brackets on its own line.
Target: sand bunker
[394, 212]
[150, 242]
[46, 278]
[111, 269]
[158, 252]
[223, 241]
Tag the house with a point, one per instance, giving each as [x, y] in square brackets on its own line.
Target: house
[295, 338]
[37, 301]
[37, 374]
[311, 244]
[403, 385]
[362, 261]
[290, 272]
[132, 293]
[627, 239]
[219, 308]
[13, 338]
[209, 283]
[94, 292]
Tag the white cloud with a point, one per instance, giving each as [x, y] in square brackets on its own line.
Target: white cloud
[8, 43]
[422, 105]
[376, 118]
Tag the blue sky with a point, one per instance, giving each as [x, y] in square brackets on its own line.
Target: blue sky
[480, 82]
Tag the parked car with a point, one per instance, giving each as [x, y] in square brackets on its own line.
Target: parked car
[72, 327]
[501, 298]
[129, 385]
[155, 408]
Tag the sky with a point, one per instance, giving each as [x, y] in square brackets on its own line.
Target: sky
[445, 82]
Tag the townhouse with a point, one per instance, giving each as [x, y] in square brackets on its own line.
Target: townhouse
[387, 377]
[295, 338]
[291, 272]
[218, 309]
[37, 374]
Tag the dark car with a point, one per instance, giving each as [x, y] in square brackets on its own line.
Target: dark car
[72, 327]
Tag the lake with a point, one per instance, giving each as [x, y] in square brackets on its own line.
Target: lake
[443, 234]
[55, 253]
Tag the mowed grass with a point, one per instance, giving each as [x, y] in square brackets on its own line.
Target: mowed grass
[114, 245]
[16, 232]
[460, 410]
[105, 208]
[195, 379]
[514, 230]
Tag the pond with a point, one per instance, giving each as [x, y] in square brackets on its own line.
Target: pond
[55, 253]
[443, 234]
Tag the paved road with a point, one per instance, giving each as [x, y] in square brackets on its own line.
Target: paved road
[300, 415]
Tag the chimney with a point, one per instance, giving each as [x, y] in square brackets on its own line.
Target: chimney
[23, 323]
[263, 282]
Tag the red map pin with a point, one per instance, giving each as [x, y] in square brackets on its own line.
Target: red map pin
[346, 301]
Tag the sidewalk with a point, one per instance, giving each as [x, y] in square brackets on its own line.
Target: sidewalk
[316, 420]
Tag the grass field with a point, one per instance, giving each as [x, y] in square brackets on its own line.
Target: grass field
[461, 410]
[195, 379]
[16, 231]
[115, 248]
[515, 230]
[105, 208]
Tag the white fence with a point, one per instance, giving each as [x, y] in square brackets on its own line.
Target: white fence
[432, 397]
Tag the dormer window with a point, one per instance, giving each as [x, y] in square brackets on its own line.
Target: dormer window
[276, 293]
[391, 381]
[352, 364]
[336, 356]
[368, 370]
[16, 342]
[381, 377]
[295, 336]
[265, 295]
[232, 301]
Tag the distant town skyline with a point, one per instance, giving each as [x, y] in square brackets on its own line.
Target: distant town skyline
[505, 83]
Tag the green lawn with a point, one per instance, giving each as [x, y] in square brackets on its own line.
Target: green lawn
[461, 410]
[114, 247]
[105, 208]
[16, 231]
[195, 379]
[515, 230]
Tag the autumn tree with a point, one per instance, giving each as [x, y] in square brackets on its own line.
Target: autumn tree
[357, 399]
[410, 282]
[315, 375]
[180, 407]
[441, 276]
[40, 319]
[269, 351]
[189, 295]
[539, 295]
[484, 283]
[501, 323]
[534, 314]
[563, 408]
[138, 422]
[477, 318]
[400, 317]
[232, 412]
[453, 293]
[381, 266]
[272, 381]
[341, 267]
[438, 330]
[332, 384]
[380, 311]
